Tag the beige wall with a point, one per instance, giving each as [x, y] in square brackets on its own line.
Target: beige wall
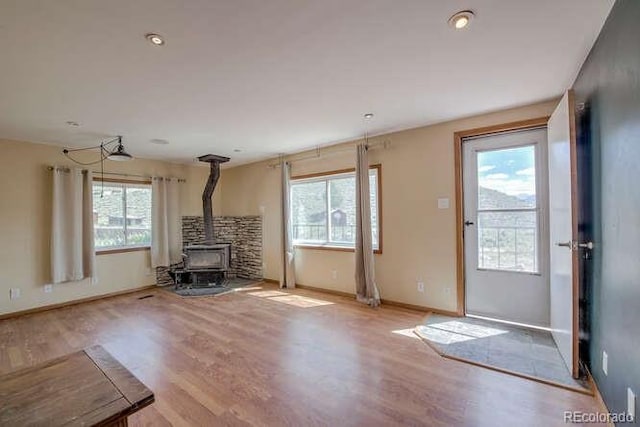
[418, 238]
[25, 188]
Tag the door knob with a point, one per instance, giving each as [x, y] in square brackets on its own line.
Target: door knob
[574, 245]
[570, 245]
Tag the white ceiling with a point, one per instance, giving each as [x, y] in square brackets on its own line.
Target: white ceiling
[274, 76]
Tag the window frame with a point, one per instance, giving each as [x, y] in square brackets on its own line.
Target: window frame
[322, 176]
[106, 250]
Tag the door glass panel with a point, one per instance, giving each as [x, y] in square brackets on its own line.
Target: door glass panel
[507, 178]
[508, 241]
[507, 210]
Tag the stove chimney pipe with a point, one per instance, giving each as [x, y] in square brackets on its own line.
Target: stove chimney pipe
[207, 206]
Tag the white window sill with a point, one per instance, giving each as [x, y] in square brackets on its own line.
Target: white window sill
[121, 249]
[329, 247]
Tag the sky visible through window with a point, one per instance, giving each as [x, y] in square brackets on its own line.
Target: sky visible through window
[510, 171]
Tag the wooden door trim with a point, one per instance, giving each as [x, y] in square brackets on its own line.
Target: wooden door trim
[458, 138]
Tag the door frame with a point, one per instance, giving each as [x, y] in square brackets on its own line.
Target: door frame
[458, 138]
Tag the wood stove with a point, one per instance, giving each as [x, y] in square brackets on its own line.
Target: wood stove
[207, 264]
[207, 257]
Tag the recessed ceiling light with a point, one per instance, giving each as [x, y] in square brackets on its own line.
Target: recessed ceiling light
[72, 123]
[461, 19]
[159, 141]
[368, 116]
[155, 39]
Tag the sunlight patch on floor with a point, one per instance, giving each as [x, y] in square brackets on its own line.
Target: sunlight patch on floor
[250, 288]
[406, 333]
[455, 331]
[300, 301]
[290, 299]
[267, 294]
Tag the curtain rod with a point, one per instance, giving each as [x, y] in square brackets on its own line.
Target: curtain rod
[328, 151]
[126, 175]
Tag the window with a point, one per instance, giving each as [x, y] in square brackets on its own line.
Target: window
[121, 215]
[323, 209]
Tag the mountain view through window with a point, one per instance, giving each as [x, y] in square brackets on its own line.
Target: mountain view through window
[508, 210]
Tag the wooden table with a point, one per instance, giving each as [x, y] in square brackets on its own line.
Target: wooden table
[85, 388]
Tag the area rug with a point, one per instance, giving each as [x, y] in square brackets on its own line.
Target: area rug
[229, 285]
[524, 352]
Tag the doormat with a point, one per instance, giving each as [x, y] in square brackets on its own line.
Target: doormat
[229, 285]
[528, 353]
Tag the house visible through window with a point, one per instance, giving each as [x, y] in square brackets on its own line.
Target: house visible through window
[121, 215]
[323, 209]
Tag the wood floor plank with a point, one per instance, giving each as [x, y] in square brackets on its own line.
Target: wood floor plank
[265, 356]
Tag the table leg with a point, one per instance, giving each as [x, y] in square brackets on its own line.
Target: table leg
[122, 422]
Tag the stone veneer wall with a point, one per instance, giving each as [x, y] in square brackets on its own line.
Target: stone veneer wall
[243, 232]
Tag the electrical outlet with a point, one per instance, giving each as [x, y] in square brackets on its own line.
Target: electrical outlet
[334, 274]
[14, 293]
[605, 363]
[631, 404]
[420, 286]
[48, 288]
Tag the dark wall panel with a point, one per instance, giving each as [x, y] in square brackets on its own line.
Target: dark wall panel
[608, 98]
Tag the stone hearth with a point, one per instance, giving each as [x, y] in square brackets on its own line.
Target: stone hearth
[243, 232]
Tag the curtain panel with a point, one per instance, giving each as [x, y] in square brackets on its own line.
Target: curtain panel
[288, 275]
[166, 228]
[366, 289]
[73, 255]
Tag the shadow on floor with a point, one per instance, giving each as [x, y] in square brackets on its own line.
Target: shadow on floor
[516, 350]
[228, 286]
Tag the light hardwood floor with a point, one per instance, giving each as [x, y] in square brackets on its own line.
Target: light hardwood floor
[267, 357]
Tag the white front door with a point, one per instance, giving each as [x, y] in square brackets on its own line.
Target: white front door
[564, 231]
[506, 236]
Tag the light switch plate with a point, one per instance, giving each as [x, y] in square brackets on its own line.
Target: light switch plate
[631, 404]
[443, 203]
